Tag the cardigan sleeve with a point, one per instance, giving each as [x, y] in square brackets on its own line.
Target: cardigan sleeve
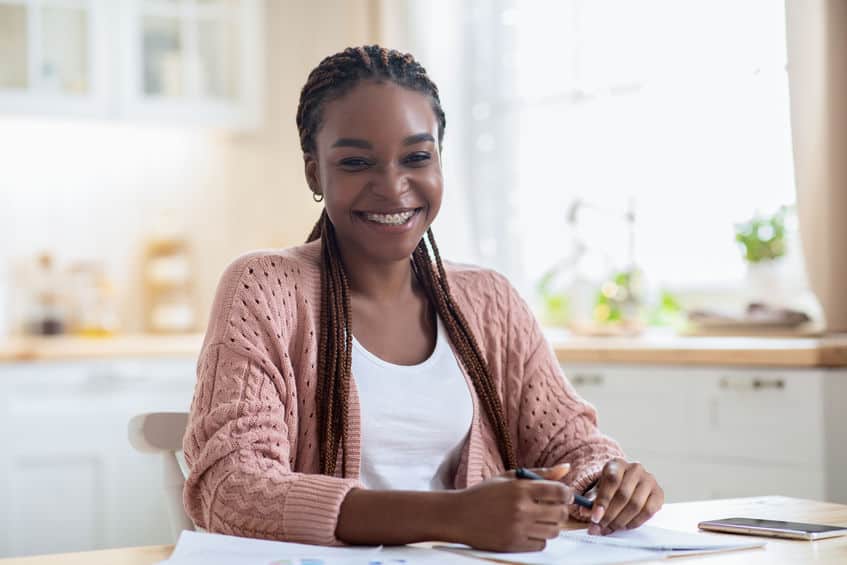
[555, 425]
[238, 442]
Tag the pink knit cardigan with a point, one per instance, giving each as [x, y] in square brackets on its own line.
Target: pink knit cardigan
[252, 438]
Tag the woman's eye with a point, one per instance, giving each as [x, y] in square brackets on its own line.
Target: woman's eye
[418, 158]
[354, 163]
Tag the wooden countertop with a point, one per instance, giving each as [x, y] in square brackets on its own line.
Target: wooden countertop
[649, 349]
[66, 347]
[679, 516]
[670, 349]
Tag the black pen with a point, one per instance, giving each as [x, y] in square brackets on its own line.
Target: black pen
[578, 499]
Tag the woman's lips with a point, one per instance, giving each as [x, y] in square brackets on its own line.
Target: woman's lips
[398, 220]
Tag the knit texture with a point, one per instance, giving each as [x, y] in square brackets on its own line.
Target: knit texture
[252, 438]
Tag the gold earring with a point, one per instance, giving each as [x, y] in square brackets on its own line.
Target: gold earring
[317, 197]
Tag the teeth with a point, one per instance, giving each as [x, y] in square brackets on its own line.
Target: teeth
[394, 219]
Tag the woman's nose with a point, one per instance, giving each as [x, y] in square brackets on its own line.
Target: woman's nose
[391, 182]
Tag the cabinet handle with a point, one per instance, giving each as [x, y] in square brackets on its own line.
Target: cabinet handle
[756, 383]
[587, 379]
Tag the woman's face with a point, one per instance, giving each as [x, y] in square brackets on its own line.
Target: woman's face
[378, 166]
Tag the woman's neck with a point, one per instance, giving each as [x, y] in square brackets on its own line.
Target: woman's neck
[380, 282]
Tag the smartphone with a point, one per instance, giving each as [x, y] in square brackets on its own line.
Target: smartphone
[773, 528]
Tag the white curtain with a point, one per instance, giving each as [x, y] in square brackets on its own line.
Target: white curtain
[817, 57]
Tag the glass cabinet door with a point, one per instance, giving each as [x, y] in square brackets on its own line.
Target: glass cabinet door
[46, 47]
[14, 46]
[173, 61]
[195, 61]
[162, 55]
[190, 49]
[65, 55]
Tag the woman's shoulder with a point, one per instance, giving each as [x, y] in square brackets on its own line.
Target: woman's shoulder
[290, 261]
[475, 275]
[479, 287]
[253, 286]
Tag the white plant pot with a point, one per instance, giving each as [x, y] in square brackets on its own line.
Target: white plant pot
[766, 282]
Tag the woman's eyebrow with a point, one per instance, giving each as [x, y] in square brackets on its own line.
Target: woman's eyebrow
[418, 138]
[351, 142]
[364, 144]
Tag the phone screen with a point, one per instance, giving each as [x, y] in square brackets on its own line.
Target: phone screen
[778, 524]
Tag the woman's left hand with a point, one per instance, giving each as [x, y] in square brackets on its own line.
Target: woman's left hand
[626, 497]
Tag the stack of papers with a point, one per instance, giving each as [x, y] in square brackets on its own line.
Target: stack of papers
[644, 544]
[660, 539]
[196, 548]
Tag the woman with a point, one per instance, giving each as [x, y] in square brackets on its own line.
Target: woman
[357, 389]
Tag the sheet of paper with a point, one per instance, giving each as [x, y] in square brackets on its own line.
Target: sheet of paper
[197, 548]
[644, 544]
[562, 550]
[649, 537]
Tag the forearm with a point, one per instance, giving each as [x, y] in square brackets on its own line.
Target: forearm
[384, 517]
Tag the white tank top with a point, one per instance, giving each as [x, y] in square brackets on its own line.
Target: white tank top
[415, 418]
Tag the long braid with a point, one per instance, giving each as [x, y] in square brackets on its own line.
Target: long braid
[332, 78]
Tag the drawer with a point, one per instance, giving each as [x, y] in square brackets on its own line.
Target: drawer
[702, 479]
[639, 409]
[774, 416]
[768, 415]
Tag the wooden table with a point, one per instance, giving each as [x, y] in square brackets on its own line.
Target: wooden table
[681, 516]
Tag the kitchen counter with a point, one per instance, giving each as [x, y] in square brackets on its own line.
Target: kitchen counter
[66, 347]
[670, 349]
[648, 349]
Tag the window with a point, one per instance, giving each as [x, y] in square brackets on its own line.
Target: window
[676, 108]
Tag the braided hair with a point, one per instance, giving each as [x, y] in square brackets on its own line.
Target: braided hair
[331, 79]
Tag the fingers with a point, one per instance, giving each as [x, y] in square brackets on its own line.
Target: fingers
[543, 532]
[556, 473]
[548, 523]
[610, 479]
[533, 544]
[627, 496]
[654, 504]
[582, 514]
[633, 507]
[548, 492]
[622, 496]
[553, 514]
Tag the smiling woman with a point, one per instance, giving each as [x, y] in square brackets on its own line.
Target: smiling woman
[358, 389]
[389, 184]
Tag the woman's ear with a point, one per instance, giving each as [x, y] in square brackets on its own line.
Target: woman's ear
[310, 165]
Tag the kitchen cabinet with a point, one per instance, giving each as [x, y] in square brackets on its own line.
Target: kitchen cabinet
[69, 480]
[195, 62]
[725, 431]
[53, 57]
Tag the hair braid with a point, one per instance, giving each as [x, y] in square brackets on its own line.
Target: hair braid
[332, 78]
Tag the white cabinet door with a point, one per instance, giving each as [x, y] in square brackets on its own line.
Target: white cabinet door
[774, 416]
[72, 481]
[703, 479]
[195, 61]
[53, 57]
[717, 432]
[639, 408]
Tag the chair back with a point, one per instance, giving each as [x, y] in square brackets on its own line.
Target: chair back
[161, 433]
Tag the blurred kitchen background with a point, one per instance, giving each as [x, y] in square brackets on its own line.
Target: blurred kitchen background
[630, 165]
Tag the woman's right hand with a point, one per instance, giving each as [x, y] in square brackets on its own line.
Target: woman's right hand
[503, 514]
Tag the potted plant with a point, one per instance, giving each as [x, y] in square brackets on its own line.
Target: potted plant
[762, 240]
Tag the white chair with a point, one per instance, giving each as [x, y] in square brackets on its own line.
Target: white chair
[161, 432]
